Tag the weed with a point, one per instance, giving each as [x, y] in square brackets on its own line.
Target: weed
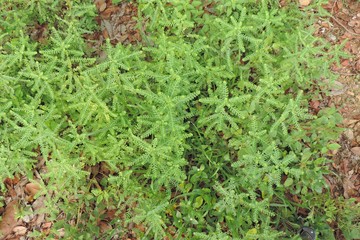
[205, 130]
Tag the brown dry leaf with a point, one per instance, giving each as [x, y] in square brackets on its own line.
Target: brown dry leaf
[356, 117]
[100, 5]
[348, 122]
[40, 163]
[46, 225]
[356, 151]
[104, 226]
[347, 45]
[337, 89]
[20, 230]
[331, 183]
[19, 187]
[339, 5]
[38, 203]
[349, 188]
[14, 238]
[345, 63]
[12, 193]
[27, 218]
[282, 3]
[108, 11]
[9, 221]
[328, 6]
[12, 181]
[123, 38]
[40, 219]
[314, 104]
[140, 227]
[303, 211]
[110, 214]
[346, 164]
[39, 32]
[104, 168]
[304, 3]
[357, 65]
[105, 34]
[61, 232]
[354, 23]
[95, 170]
[109, 28]
[45, 231]
[32, 188]
[349, 133]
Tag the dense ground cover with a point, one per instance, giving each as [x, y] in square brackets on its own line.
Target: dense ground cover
[196, 128]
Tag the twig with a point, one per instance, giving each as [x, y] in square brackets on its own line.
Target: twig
[345, 74]
[342, 25]
[333, 6]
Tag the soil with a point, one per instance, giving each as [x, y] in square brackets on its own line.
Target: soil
[344, 28]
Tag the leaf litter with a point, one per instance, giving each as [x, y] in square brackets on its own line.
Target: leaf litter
[344, 28]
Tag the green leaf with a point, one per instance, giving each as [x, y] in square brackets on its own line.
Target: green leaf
[196, 3]
[333, 146]
[198, 202]
[288, 182]
[252, 231]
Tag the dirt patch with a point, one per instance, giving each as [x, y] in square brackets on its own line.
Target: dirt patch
[117, 23]
[343, 27]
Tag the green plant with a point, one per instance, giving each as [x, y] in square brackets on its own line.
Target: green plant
[203, 128]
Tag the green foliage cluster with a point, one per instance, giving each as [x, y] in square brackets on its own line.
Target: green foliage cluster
[203, 128]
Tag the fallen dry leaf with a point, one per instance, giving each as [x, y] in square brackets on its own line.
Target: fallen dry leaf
[104, 226]
[110, 214]
[337, 89]
[140, 227]
[108, 11]
[349, 133]
[8, 221]
[100, 5]
[20, 230]
[105, 34]
[345, 63]
[304, 3]
[46, 225]
[27, 218]
[61, 232]
[357, 66]
[38, 203]
[32, 188]
[104, 168]
[348, 122]
[10, 182]
[40, 219]
[356, 151]
[315, 105]
[349, 188]
[339, 5]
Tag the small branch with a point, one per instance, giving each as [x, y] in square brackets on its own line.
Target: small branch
[345, 74]
[342, 25]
